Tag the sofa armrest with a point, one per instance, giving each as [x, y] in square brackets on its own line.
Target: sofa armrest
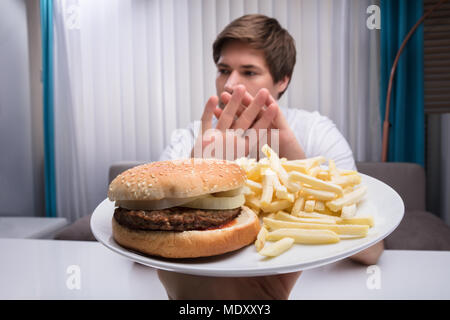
[408, 179]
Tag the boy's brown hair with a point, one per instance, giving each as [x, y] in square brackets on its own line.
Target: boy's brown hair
[262, 33]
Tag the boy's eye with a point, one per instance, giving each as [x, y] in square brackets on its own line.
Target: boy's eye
[249, 73]
[224, 71]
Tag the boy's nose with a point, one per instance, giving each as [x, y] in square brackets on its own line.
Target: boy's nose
[232, 81]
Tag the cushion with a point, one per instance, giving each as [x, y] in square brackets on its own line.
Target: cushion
[408, 179]
[419, 230]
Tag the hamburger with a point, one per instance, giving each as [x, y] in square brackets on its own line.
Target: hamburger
[182, 208]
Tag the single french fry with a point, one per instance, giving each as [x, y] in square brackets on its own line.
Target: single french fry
[332, 168]
[348, 211]
[256, 187]
[304, 236]
[351, 229]
[246, 191]
[276, 206]
[290, 166]
[349, 236]
[281, 192]
[293, 186]
[315, 161]
[270, 215]
[348, 180]
[348, 199]
[261, 238]
[328, 212]
[319, 206]
[253, 202]
[298, 205]
[309, 205]
[315, 183]
[348, 189]
[277, 248]
[303, 214]
[276, 183]
[367, 220]
[313, 172]
[344, 172]
[281, 215]
[319, 194]
[267, 184]
[285, 195]
[323, 175]
[254, 173]
[264, 161]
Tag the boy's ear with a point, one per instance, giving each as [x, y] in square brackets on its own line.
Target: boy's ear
[282, 85]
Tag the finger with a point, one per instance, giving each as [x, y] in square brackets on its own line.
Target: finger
[248, 98]
[225, 98]
[249, 115]
[217, 112]
[208, 113]
[267, 116]
[279, 122]
[270, 100]
[227, 117]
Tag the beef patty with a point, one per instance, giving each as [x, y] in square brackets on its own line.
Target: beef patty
[174, 219]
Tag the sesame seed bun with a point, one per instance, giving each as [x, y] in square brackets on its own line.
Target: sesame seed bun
[176, 179]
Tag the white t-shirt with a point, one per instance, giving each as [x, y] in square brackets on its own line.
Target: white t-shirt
[316, 134]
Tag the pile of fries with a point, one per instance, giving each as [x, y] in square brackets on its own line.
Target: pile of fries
[301, 201]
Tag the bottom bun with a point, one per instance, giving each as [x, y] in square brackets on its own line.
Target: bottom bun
[190, 244]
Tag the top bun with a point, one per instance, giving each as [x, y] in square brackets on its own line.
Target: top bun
[176, 179]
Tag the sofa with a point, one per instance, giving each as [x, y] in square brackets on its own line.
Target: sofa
[419, 229]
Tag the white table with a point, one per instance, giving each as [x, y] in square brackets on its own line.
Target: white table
[30, 227]
[51, 269]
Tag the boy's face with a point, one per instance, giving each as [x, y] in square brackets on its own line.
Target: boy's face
[240, 64]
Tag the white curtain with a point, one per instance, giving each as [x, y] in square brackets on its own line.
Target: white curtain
[130, 72]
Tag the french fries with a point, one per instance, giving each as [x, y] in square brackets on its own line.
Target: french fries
[303, 202]
[278, 247]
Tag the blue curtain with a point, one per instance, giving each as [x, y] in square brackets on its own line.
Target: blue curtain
[47, 79]
[407, 133]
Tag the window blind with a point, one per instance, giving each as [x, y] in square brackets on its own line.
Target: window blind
[437, 58]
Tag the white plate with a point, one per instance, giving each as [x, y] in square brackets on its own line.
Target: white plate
[381, 201]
